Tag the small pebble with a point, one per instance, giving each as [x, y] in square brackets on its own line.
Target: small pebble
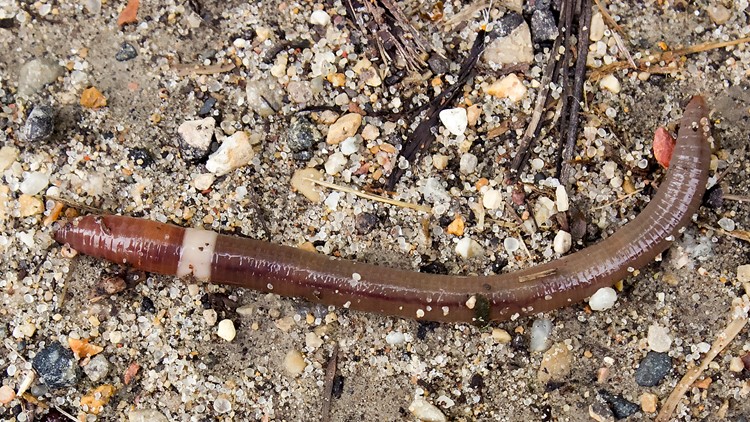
[597, 27]
[440, 161]
[395, 338]
[493, 199]
[320, 17]
[426, 411]
[511, 244]
[313, 341]
[222, 405]
[350, 145]
[455, 120]
[6, 394]
[603, 299]
[365, 222]
[659, 339]
[727, 224]
[736, 364]
[294, 363]
[97, 368]
[600, 412]
[501, 336]
[563, 242]
[126, 52]
[556, 364]
[56, 365]
[719, 14]
[510, 87]
[210, 316]
[226, 330]
[93, 98]
[195, 137]
[543, 26]
[370, 132]
[610, 83]
[234, 152]
[743, 273]
[34, 182]
[438, 64]
[335, 163]
[515, 47]
[146, 415]
[203, 181]
[346, 126]
[302, 135]
[468, 163]
[539, 338]
[648, 402]
[40, 124]
[652, 369]
[37, 73]
[468, 248]
[621, 407]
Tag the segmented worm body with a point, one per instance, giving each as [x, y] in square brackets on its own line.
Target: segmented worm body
[167, 249]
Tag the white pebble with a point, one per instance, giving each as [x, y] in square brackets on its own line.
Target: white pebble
[302, 182]
[492, 199]
[234, 152]
[197, 133]
[597, 27]
[561, 199]
[743, 273]
[455, 120]
[659, 339]
[222, 405]
[440, 161]
[320, 17]
[335, 163]
[511, 244]
[294, 363]
[510, 87]
[562, 242]
[426, 411]
[468, 163]
[203, 181]
[603, 299]
[610, 83]
[226, 330]
[34, 182]
[725, 223]
[540, 331]
[350, 145]
[312, 340]
[395, 338]
[468, 248]
[8, 156]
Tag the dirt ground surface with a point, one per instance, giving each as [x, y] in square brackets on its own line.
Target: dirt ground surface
[229, 60]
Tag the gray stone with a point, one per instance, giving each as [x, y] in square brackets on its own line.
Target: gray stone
[653, 368]
[37, 73]
[97, 368]
[56, 366]
[40, 124]
[127, 52]
[543, 26]
[302, 135]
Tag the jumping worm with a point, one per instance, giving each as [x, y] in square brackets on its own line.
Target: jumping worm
[204, 255]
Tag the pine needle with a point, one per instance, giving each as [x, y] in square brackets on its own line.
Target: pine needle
[329, 185]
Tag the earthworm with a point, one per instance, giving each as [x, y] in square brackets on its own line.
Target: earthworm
[205, 255]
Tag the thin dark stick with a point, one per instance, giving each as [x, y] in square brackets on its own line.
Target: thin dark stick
[328, 387]
[532, 130]
[564, 166]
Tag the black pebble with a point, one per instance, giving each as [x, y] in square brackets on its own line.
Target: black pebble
[365, 222]
[434, 267]
[653, 368]
[56, 366]
[40, 124]
[127, 52]
[531, 6]
[302, 135]
[337, 387]
[395, 78]
[141, 156]
[206, 107]
[714, 198]
[621, 407]
[147, 305]
[438, 64]
[505, 25]
[543, 26]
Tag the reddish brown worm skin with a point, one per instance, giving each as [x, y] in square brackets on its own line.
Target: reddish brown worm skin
[167, 249]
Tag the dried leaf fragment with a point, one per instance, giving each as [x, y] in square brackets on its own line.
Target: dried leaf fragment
[129, 13]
